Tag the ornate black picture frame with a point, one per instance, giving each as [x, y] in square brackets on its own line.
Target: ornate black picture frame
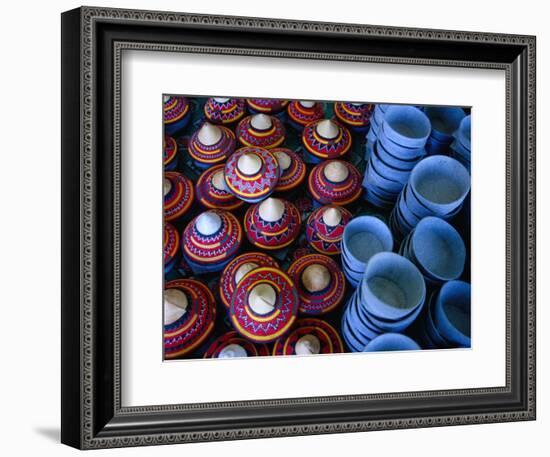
[92, 42]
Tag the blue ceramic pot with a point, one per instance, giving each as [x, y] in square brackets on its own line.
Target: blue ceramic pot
[440, 184]
[445, 120]
[407, 126]
[386, 170]
[363, 237]
[438, 249]
[452, 312]
[393, 161]
[463, 134]
[392, 342]
[392, 287]
[374, 178]
[399, 151]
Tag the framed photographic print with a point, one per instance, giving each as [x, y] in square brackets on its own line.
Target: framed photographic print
[275, 228]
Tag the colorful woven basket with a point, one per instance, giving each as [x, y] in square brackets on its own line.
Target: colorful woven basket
[264, 305]
[301, 113]
[170, 157]
[178, 195]
[272, 234]
[211, 145]
[326, 236]
[171, 244]
[177, 112]
[231, 344]
[211, 240]
[190, 330]
[320, 283]
[260, 130]
[356, 116]
[212, 191]
[325, 191]
[293, 169]
[256, 183]
[326, 147]
[308, 336]
[266, 105]
[243, 262]
[224, 110]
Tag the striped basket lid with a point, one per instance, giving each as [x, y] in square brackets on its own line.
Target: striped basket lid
[355, 115]
[303, 112]
[237, 268]
[335, 181]
[211, 144]
[264, 305]
[325, 228]
[309, 336]
[224, 110]
[320, 283]
[272, 232]
[212, 237]
[267, 105]
[260, 130]
[175, 109]
[189, 316]
[178, 195]
[212, 191]
[251, 173]
[293, 169]
[326, 139]
[231, 345]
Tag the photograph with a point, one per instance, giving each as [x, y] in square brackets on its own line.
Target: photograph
[314, 227]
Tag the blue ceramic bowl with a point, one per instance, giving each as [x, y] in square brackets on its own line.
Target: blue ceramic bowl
[383, 107]
[374, 178]
[374, 126]
[386, 170]
[363, 329]
[363, 237]
[399, 151]
[378, 116]
[463, 134]
[387, 157]
[438, 249]
[431, 330]
[392, 342]
[407, 126]
[445, 120]
[440, 183]
[353, 342]
[452, 312]
[393, 287]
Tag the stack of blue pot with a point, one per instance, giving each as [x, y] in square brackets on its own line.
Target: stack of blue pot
[461, 146]
[363, 237]
[445, 121]
[375, 126]
[445, 320]
[389, 298]
[437, 249]
[437, 187]
[391, 342]
[399, 146]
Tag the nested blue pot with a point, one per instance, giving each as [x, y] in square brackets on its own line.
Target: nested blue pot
[452, 312]
[393, 287]
[440, 184]
[392, 342]
[438, 249]
[445, 120]
[407, 126]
